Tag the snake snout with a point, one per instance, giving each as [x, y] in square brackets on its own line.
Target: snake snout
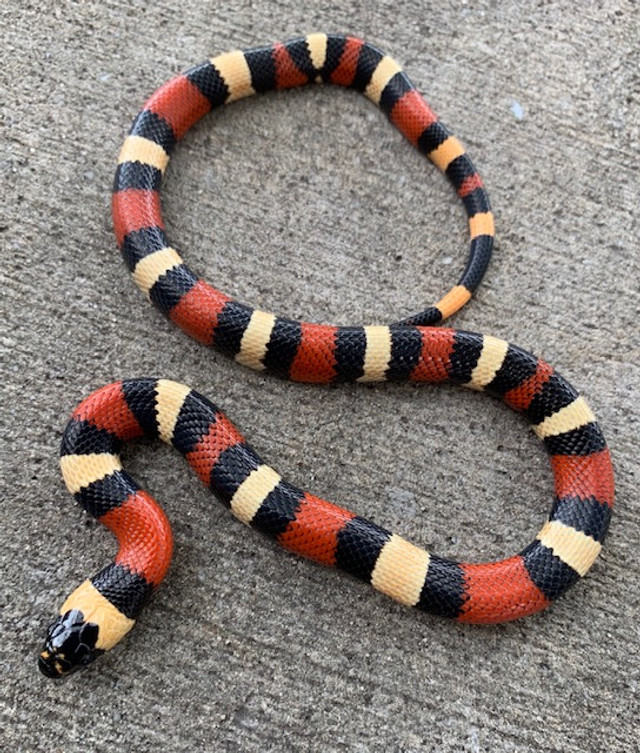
[69, 646]
[48, 666]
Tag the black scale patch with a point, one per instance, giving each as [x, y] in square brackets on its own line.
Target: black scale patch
[278, 509]
[584, 514]
[476, 202]
[135, 175]
[396, 88]
[550, 574]
[233, 320]
[467, 347]
[126, 590]
[517, 367]
[479, 258]
[406, 347]
[209, 82]
[194, 421]
[169, 289]
[335, 47]
[299, 52]
[459, 170]
[284, 342]
[140, 396]
[368, 60]
[82, 438]
[359, 545]
[351, 345]
[582, 441]
[262, 67]
[232, 468]
[150, 126]
[140, 243]
[443, 590]
[107, 493]
[432, 137]
[556, 393]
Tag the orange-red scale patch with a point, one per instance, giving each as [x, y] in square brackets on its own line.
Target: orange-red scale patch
[435, 358]
[584, 476]
[107, 409]
[345, 71]
[314, 532]
[411, 115]
[198, 310]
[180, 104]
[288, 74]
[315, 359]
[520, 397]
[134, 209]
[500, 591]
[144, 536]
[222, 434]
[469, 185]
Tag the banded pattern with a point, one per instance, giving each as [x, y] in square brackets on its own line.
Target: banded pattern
[157, 268]
[105, 607]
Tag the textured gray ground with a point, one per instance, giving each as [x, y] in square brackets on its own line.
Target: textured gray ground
[308, 203]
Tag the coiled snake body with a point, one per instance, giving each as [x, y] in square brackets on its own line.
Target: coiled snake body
[104, 608]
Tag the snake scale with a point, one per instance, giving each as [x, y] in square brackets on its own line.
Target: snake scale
[104, 608]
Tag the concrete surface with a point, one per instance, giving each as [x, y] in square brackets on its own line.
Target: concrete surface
[309, 204]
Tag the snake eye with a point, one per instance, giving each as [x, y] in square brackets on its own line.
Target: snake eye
[69, 646]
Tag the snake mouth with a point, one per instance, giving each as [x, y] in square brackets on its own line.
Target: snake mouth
[50, 666]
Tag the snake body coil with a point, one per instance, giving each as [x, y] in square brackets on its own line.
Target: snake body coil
[158, 269]
[103, 609]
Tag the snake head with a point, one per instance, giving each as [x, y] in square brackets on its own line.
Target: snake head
[70, 645]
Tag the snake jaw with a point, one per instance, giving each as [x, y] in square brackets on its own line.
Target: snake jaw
[69, 646]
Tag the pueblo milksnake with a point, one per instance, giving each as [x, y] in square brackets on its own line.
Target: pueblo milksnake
[104, 608]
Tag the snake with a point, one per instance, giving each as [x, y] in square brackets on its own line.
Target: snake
[104, 608]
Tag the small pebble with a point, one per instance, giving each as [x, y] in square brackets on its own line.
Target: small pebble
[517, 110]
